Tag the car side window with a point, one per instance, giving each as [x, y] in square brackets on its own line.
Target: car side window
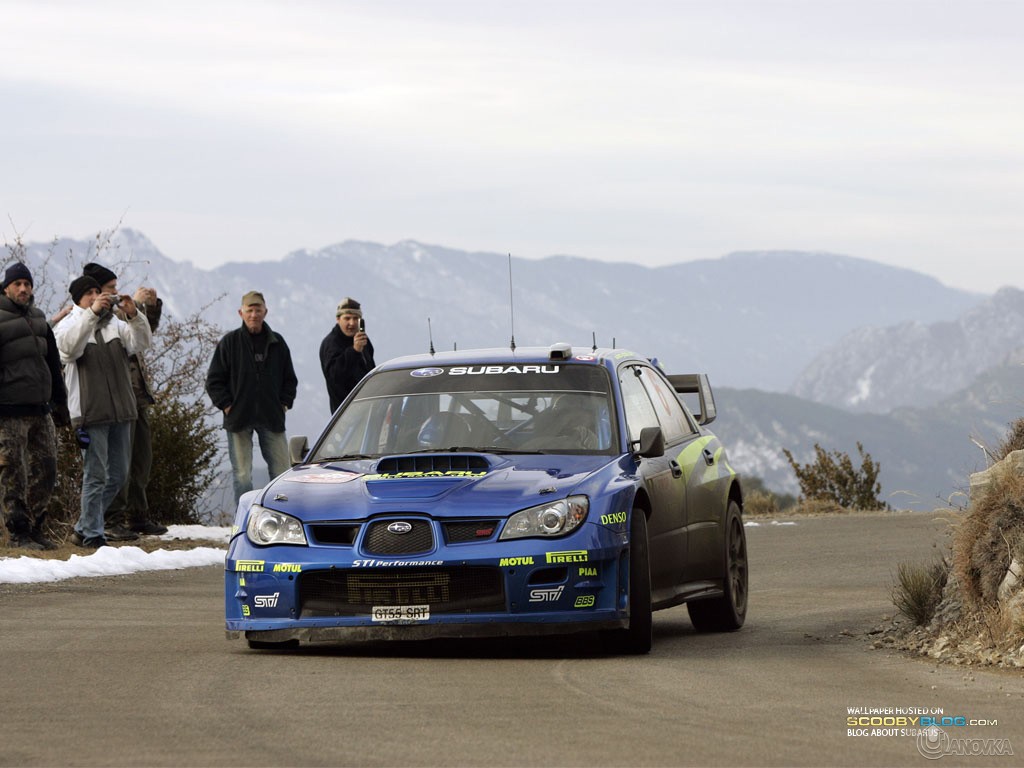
[670, 413]
[637, 405]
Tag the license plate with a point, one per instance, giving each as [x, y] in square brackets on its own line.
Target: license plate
[404, 613]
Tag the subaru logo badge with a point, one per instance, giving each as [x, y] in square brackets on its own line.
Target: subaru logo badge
[400, 527]
[427, 372]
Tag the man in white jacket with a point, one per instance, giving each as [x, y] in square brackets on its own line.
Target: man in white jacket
[94, 347]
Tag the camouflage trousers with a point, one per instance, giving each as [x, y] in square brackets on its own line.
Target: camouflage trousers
[28, 469]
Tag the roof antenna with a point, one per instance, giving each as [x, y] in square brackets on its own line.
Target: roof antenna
[511, 306]
[593, 335]
[430, 334]
[613, 342]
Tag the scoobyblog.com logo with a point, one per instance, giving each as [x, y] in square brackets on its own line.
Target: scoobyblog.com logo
[933, 743]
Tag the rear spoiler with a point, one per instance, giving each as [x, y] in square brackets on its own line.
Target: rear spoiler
[696, 384]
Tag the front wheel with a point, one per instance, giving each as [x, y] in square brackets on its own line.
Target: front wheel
[728, 612]
[637, 638]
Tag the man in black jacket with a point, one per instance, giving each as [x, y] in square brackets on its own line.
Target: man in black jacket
[252, 380]
[346, 354]
[31, 385]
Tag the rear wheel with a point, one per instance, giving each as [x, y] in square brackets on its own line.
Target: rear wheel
[636, 639]
[728, 612]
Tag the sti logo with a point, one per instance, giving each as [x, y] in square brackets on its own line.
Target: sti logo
[546, 595]
[266, 601]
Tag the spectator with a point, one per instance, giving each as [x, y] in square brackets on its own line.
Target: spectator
[128, 514]
[346, 354]
[31, 388]
[251, 379]
[94, 346]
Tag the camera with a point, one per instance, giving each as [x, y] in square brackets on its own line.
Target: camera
[115, 299]
[83, 438]
[362, 325]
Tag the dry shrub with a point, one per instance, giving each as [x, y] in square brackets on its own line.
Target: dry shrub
[989, 537]
[817, 507]
[1014, 440]
[918, 589]
[760, 503]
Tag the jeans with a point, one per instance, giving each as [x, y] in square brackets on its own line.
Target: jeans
[104, 468]
[273, 446]
[131, 505]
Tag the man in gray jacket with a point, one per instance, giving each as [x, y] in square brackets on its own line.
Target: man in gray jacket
[94, 346]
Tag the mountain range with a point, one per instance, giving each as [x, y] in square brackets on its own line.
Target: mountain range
[801, 347]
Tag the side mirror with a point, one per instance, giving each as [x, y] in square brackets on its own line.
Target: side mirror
[298, 447]
[651, 443]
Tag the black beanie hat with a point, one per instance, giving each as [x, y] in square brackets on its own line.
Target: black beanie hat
[17, 271]
[80, 285]
[99, 273]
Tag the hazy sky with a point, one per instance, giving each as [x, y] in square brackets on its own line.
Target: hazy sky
[654, 132]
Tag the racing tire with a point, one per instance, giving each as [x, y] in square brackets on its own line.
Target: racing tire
[263, 645]
[728, 612]
[636, 639]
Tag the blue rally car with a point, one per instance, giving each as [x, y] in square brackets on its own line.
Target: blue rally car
[496, 493]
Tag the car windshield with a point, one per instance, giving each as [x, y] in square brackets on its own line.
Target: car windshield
[505, 408]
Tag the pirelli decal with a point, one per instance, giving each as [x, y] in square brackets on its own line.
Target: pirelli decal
[572, 556]
[421, 475]
[249, 566]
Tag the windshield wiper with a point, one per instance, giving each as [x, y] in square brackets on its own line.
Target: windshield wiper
[346, 457]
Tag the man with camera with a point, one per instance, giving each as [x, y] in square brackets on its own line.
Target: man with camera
[94, 346]
[128, 514]
[346, 354]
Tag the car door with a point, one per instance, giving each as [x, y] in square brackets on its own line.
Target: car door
[698, 456]
[663, 479]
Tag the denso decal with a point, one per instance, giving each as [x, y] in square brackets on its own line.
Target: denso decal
[266, 601]
[287, 568]
[326, 478]
[507, 561]
[249, 566]
[613, 518]
[485, 370]
[393, 563]
[427, 475]
[546, 594]
[573, 556]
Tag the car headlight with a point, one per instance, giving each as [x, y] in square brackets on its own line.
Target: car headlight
[555, 519]
[269, 527]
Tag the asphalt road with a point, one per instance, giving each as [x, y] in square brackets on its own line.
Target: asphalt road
[135, 670]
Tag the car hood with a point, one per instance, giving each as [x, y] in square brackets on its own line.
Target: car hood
[488, 485]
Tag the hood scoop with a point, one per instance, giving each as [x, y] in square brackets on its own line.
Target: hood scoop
[424, 476]
[445, 462]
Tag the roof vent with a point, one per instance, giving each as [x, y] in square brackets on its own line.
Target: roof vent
[560, 351]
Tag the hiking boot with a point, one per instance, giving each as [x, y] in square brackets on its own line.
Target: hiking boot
[148, 528]
[90, 542]
[120, 533]
[25, 541]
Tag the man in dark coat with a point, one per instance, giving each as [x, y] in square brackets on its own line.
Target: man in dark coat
[252, 380]
[346, 354]
[31, 387]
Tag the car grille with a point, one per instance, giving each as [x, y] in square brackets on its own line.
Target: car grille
[380, 541]
[334, 534]
[445, 590]
[461, 531]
